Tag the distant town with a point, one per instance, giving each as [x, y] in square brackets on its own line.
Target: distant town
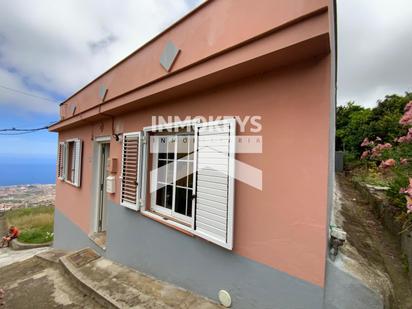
[22, 196]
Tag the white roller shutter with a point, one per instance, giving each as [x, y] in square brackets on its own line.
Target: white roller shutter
[61, 161]
[130, 177]
[215, 160]
[77, 153]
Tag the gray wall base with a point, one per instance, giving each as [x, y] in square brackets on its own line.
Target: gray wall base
[343, 291]
[68, 236]
[191, 263]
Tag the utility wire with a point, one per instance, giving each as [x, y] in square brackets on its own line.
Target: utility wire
[27, 94]
[17, 131]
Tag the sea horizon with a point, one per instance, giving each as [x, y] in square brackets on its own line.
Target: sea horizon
[24, 173]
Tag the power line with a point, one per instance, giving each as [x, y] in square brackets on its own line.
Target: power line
[18, 131]
[26, 94]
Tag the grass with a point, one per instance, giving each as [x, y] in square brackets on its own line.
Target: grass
[35, 224]
[371, 176]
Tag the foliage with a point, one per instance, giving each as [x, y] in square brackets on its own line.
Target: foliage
[35, 224]
[354, 122]
[394, 159]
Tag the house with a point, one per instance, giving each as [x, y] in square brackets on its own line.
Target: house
[205, 157]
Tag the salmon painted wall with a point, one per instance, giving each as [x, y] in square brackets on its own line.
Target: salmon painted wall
[283, 226]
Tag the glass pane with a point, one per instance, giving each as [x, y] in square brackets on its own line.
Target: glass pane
[161, 170]
[160, 197]
[180, 201]
[190, 172]
[171, 142]
[161, 146]
[182, 146]
[169, 196]
[191, 147]
[170, 170]
[189, 203]
[181, 173]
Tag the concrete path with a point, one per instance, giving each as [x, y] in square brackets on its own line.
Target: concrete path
[8, 256]
[123, 287]
[57, 279]
[37, 283]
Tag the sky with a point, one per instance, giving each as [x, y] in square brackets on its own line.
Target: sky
[49, 49]
[374, 49]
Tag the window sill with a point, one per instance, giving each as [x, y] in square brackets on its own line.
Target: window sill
[71, 183]
[168, 222]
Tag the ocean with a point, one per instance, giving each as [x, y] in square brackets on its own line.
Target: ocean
[27, 173]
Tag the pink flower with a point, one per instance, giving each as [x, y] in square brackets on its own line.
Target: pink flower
[407, 116]
[376, 151]
[409, 207]
[365, 154]
[407, 191]
[406, 138]
[386, 146]
[387, 163]
[404, 161]
[365, 142]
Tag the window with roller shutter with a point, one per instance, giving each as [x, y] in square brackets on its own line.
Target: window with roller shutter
[208, 206]
[130, 189]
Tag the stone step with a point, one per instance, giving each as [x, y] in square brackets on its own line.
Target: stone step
[117, 286]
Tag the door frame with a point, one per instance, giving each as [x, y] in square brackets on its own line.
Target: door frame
[97, 158]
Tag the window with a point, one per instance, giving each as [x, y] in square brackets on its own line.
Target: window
[173, 162]
[69, 161]
[192, 177]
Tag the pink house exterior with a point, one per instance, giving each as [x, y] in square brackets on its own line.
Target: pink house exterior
[258, 230]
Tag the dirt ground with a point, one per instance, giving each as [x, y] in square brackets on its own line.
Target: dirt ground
[370, 243]
[35, 283]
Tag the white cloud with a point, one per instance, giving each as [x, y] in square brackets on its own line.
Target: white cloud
[374, 48]
[56, 47]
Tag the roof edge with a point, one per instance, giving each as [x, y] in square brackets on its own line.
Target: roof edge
[199, 7]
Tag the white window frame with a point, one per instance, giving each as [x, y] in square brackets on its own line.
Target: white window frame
[149, 213]
[76, 174]
[163, 210]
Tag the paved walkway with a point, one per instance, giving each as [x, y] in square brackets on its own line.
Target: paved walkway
[127, 288]
[8, 256]
[36, 283]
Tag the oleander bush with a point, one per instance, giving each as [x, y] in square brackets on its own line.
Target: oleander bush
[378, 143]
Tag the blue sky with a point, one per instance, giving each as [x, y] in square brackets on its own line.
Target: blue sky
[49, 49]
[52, 48]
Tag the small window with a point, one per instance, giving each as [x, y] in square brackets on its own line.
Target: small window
[73, 151]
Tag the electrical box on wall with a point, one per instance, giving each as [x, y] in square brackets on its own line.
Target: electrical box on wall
[110, 184]
[112, 165]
